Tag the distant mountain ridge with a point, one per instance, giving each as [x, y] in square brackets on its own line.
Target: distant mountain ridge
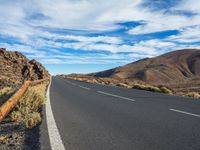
[168, 68]
[15, 68]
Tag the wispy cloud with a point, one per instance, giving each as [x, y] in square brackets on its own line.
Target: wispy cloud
[97, 32]
[187, 35]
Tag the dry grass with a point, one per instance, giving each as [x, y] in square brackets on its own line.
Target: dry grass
[193, 94]
[147, 88]
[5, 93]
[123, 85]
[28, 109]
[5, 90]
[161, 89]
[120, 82]
[166, 90]
[33, 119]
[187, 86]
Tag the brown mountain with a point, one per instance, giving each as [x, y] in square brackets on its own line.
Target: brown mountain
[171, 67]
[15, 68]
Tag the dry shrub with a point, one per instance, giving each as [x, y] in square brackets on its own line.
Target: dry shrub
[28, 109]
[5, 93]
[147, 87]
[153, 88]
[193, 94]
[33, 99]
[166, 90]
[123, 85]
[5, 90]
[32, 120]
[16, 116]
[140, 87]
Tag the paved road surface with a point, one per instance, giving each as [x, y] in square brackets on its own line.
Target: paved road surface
[98, 117]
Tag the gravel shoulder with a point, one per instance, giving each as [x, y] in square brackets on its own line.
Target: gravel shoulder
[14, 136]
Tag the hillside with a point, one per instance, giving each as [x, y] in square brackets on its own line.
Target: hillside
[168, 68]
[15, 68]
[20, 126]
[176, 73]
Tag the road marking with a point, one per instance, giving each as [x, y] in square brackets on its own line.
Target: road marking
[73, 84]
[180, 111]
[109, 94]
[84, 87]
[54, 136]
[68, 82]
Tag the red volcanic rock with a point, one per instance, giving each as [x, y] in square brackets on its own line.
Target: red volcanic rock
[15, 68]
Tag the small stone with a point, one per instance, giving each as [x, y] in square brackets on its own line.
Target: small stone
[3, 138]
[14, 136]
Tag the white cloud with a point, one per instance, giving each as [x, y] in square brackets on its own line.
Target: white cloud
[91, 16]
[86, 39]
[86, 58]
[155, 43]
[22, 48]
[113, 48]
[163, 22]
[96, 15]
[148, 47]
[159, 20]
[87, 14]
[189, 5]
[187, 35]
[31, 22]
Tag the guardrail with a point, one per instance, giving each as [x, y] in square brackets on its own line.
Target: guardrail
[12, 102]
[37, 81]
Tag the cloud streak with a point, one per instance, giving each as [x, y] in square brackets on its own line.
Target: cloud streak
[87, 31]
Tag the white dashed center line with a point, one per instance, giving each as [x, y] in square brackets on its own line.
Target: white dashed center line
[73, 84]
[84, 87]
[109, 94]
[184, 112]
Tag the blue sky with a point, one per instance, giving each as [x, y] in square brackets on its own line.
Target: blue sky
[81, 36]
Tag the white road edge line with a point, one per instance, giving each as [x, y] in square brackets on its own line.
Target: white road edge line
[109, 94]
[54, 136]
[84, 87]
[180, 111]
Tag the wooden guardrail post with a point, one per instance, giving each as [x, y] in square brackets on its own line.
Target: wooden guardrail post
[37, 82]
[11, 103]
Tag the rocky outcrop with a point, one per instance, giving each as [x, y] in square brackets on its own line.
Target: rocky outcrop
[15, 68]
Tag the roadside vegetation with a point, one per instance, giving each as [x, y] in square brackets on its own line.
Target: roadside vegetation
[28, 110]
[193, 95]
[189, 88]
[5, 93]
[122, 83]
[153, 88]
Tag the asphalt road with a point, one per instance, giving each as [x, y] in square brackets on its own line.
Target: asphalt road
[98, 117]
